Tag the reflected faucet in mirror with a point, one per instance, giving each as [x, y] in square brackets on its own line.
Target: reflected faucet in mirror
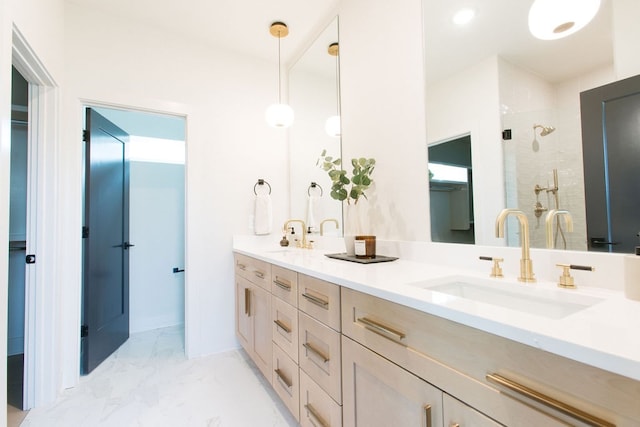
[526, 266]
[335, 221]
[303, 231]
[551, 215]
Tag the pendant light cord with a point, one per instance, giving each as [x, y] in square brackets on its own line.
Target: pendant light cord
[279, 66]
[338, 84]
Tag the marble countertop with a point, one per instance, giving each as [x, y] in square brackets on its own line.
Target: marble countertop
[605, 335]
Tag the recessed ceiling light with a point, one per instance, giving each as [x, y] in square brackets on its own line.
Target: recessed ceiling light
[554, 19]
[464, 16]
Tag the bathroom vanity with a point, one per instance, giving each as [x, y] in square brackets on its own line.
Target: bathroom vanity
[399, 344]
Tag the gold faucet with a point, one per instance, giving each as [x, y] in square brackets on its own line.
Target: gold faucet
[526, 266]
[335, 221]
[285, 228]
[568, 220]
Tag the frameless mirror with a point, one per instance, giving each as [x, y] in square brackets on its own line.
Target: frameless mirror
[315, 98]
[519, 99]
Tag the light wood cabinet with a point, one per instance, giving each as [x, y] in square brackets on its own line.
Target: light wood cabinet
[317, 408]
[285, 327]
[284, 285]
[380, 393]
[457, 414]
[286, 380]
[253, 323]
[320, 300]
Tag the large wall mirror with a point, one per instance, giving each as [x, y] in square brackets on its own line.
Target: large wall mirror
[314, 95]
[518, 98]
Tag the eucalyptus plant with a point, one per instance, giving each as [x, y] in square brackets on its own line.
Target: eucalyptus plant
[343, 187]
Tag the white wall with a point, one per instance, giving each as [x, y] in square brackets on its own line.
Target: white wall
[468, 103]
[223, 97]
[382, 93]
[156, 223]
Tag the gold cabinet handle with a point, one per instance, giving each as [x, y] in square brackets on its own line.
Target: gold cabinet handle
[260, 274]
[288, 384]
[247, 301]
[242, 266]
[283, 285]
[427, 414]
[315, 419]
[379, 327]
[549, 401]
[317, 301]
[282, 326]
[315, 351]
[454, 425]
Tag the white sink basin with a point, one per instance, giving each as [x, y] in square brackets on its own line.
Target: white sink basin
[554, 304]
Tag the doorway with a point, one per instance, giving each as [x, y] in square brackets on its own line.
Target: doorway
[17, 241]
[155, 153]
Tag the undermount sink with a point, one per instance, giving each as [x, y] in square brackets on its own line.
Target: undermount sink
[554, 304]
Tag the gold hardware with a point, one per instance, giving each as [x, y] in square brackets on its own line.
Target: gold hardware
[303, 244]
[427, 414]
[568, 220]
[247, 299]
[549, 401]
[287, 383]
[259, 274]
[379, 327]
[283, 285]
[496, 269]
[282, 326]
[335, 221]
[315, 351]
[526, 266]
[538, 209]
[242, 266]
[566, 280]
[454, 425]
[317, 301]
[315, 417]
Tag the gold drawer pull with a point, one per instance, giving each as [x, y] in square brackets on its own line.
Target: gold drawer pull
[260, 274]
[379, 327]
[315, 419]
[283, 285]
[454, 425]
[427, 414]
[549, 401]
[282, 326]
[288, 384]
[315, 351]
[242, 266]
[317, 301]
[247, 301]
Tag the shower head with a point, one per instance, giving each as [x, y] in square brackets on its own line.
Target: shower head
[546, 130]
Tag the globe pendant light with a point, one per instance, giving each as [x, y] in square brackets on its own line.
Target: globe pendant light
[279, 115]
[332, 126]
[554, 19]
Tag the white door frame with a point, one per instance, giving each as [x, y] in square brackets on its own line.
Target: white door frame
[40, 352]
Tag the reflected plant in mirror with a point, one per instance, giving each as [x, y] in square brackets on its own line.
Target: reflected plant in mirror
[345, 188]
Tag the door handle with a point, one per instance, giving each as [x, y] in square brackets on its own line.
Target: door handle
[178, 270]
[127, 245]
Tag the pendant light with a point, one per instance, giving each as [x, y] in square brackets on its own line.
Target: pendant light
[332, 126]
[279, 115]
[554, 19]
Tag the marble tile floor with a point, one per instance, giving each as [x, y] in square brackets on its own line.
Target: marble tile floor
[149, 382]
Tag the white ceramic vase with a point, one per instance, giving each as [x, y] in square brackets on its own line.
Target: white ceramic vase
[354, 223]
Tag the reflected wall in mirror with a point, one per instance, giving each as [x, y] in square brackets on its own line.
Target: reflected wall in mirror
[493, 75]
[314, 94]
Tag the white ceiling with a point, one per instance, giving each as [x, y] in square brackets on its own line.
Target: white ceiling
[240, 25]
[499, 28]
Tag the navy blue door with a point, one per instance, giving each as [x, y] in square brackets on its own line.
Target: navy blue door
[105, 323]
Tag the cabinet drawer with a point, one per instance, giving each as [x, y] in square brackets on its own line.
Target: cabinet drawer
[320, 300]
[284, 284]
[457, 413]
[319, 355]
[317, 408]
[254, 270]
[285, 327]
[457, 358]
[286, 380]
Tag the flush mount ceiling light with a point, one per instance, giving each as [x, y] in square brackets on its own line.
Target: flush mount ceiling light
[332, 126]
[279, 115]
[464, 16]
[554, 19]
